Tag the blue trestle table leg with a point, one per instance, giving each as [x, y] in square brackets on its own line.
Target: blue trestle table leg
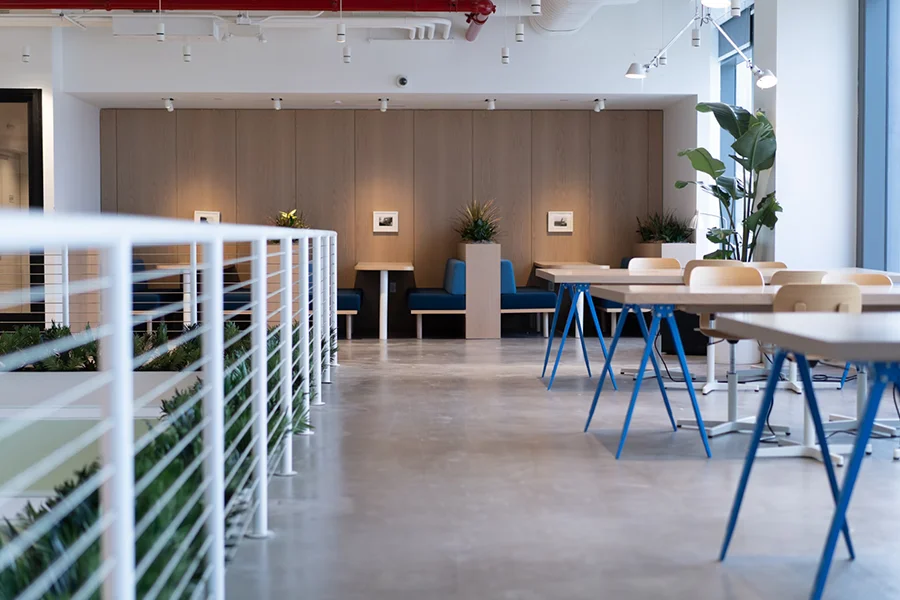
[844, 375]
[648, 350]
[669, 312]
[562, 343]
[659, 380]
[608, 366]
[590, 302]
[559, 297]
[576, 291]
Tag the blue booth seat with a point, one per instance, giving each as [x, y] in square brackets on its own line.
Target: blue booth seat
[450, 298]
[521, 298]
[349, 303]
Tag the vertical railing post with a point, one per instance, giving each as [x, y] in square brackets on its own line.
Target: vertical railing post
[117, 492]
[286, 337]
[303, 282]
[213, 342]
[259, 388]
[317, 318]
[192, 317]
[326, 307]
[66, 317]
[333, 308]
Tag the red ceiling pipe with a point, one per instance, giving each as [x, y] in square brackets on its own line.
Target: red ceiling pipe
[478, 7]
[478, 17]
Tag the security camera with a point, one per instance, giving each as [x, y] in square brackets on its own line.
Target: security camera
[402, 81]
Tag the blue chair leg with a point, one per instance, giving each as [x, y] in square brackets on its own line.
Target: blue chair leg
[562, 345]
[810, 394]
[859, 451]
[590, 302]
[844, 375]
[608, 365]
[648, 351]
[659, 379]
[552, 332]
[575, 292]
[679, 349]
[768, 398]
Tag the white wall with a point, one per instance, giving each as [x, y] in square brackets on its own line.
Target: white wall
[814, 109]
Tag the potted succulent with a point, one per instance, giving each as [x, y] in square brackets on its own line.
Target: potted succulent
[478, 223]
[291, 219]
[478, 229]
[666, 235]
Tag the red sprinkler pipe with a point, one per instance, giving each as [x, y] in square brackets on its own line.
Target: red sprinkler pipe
[477, 18]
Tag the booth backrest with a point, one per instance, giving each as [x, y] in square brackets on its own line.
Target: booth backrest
[507, 277]
[138, 266]
[455, 277]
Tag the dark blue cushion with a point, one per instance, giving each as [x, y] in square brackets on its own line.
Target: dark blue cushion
[435, 299]
[528, 298]
[146, 301]
[138, 266]
[507, 277]
[349, 299]
[606, 304]
[455, 277]
[236, 300]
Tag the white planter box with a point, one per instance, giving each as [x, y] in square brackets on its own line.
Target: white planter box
[681, 252]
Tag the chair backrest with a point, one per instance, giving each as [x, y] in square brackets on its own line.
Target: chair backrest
[857, 278]
[645, 264]
[767, 264]
[786, 277]
[816, 297]
[693, 264]
[507, 277]
[455, 276]
[709, 276]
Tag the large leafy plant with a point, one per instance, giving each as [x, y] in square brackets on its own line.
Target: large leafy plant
[665, 228]
[478, 222]
[745, 208]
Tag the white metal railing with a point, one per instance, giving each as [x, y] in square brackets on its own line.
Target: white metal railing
[141, 422]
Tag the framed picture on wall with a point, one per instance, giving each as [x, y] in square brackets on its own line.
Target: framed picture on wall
[560, 221]
[385, 221]
[206, 216]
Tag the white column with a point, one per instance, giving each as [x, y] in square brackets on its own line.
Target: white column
[259, 387]
[192, 318]
[383, 306]
[325, 278]
[287, 357]
[334, 288]
[317, 319]
[303, 283]
[66, 317]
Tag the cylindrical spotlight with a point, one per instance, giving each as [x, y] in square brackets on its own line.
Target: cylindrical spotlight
[341, 33]
[491, 103]
[535, 7]
[384, 104]
[169, 103]
[663, 59]
[186, 53]
[695, 36]
[504, 55]
[347, 55]
[520, 32]
[735, 8]
[599, 104]
[26, 54]
[160, 32]
[276, 103]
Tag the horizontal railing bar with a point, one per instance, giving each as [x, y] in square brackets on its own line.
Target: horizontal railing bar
[93, 582]
[17, 360]
[238, 361]
[163, 501]
[154, 393]
[236, 286]
[241, 309]
[240, 461]
[231, 342]
[155, 431]
[176, 558]
[239, 385]
[241, 486]
[236, 261]
[240, 435]
[170, 345]
[192, 568]
[160, 465]
[27, 295]
[142, 317]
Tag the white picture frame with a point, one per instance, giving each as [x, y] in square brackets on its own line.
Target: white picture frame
[560, 221]
[207, 216]
[385, 221]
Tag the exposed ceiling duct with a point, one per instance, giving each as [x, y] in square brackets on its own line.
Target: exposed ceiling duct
[569, 16]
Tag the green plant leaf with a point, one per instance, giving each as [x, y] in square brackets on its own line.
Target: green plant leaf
[765, 215]
[730, 185]
[718, 255]
[682, 184]
[733, 119]
[717, 235]
[704, 162]
[757, 146]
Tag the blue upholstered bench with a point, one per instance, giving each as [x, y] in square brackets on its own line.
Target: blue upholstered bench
[349, 302]
[527, 300]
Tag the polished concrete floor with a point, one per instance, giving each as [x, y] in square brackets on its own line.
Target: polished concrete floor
[444, 469]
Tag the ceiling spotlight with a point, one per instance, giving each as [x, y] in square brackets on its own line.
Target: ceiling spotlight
[261, 37]
[186, 53]
[504, 55]
[715, 3]
[663, 59]
[491, 103]
[535, 7]
[26, 54]
[160, 32]
[341, 33]
[599, 104]
[735, 8]
[276, 103]
[695, 36]
[765, 79]
[384, 103]
[520, 32]
[636, 71]
[169, 103]
[347, 57]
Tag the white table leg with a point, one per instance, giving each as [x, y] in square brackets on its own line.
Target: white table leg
[383, 307]
[545, 324]
[845, 422]
[808, 448]
[580, 311]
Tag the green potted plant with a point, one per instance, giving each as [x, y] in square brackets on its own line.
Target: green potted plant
[744, 204]
[292, 219]
[478, 229]
[666, 235]
[478, 223]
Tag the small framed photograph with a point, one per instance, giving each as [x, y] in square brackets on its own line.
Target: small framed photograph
[385, 221]
[206, 216]
[560, 221]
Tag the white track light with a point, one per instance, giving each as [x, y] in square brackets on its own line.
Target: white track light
[695, 36]
[663, 59]
[599, 104]
[504, 55]
[160, 32]
[491, 103]
[169, 103]
[26, 54]
[735, 8]
[341, 33]
[276, 103]
[186, 53]
[535, 7]
[261, 38]
[765, 79]
[636, 71]
[384, 104]
[520, 32]
[715, 3]
[347, 56]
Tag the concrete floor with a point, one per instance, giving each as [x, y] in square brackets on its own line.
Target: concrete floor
[444, 469]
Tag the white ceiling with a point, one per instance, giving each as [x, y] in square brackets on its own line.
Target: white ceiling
[399, 99]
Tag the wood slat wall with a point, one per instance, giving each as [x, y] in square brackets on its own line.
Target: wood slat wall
[339, 166]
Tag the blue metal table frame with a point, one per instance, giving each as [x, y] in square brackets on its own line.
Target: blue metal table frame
[884, 375]
[575, 290]
[660, 312]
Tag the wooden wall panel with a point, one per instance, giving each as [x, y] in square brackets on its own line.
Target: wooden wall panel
[326, 183]
[108, 201]
[619, 182]
[443, 185]
[384, 181]
[146, 163]
[206, 163]
[561, 180]
[501, 169]
[655, 161]
[265, 166]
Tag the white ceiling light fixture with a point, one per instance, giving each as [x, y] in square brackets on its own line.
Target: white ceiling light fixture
[520, 32]
[663, 59]
[384, 104]
[535, 7]
[347, 55]
[695, 36]
[765, 79]
[341, 33]
[26, 54]
[276, 103]
[504, 55]
[160, 32]
[636, 71]
[735, 8]
[186, 55]
[599, 104]
[491, 103]
[169, 103]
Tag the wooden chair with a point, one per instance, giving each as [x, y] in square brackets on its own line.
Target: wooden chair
[694, 264]
[712, 276]
[647, 264]
[786, 277]
[858, 278]
[767, 264]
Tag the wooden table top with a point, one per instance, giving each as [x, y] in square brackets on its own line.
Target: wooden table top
[600, 276]
[842, 336]
[384, 266]
[562, 264]
[725, 298]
